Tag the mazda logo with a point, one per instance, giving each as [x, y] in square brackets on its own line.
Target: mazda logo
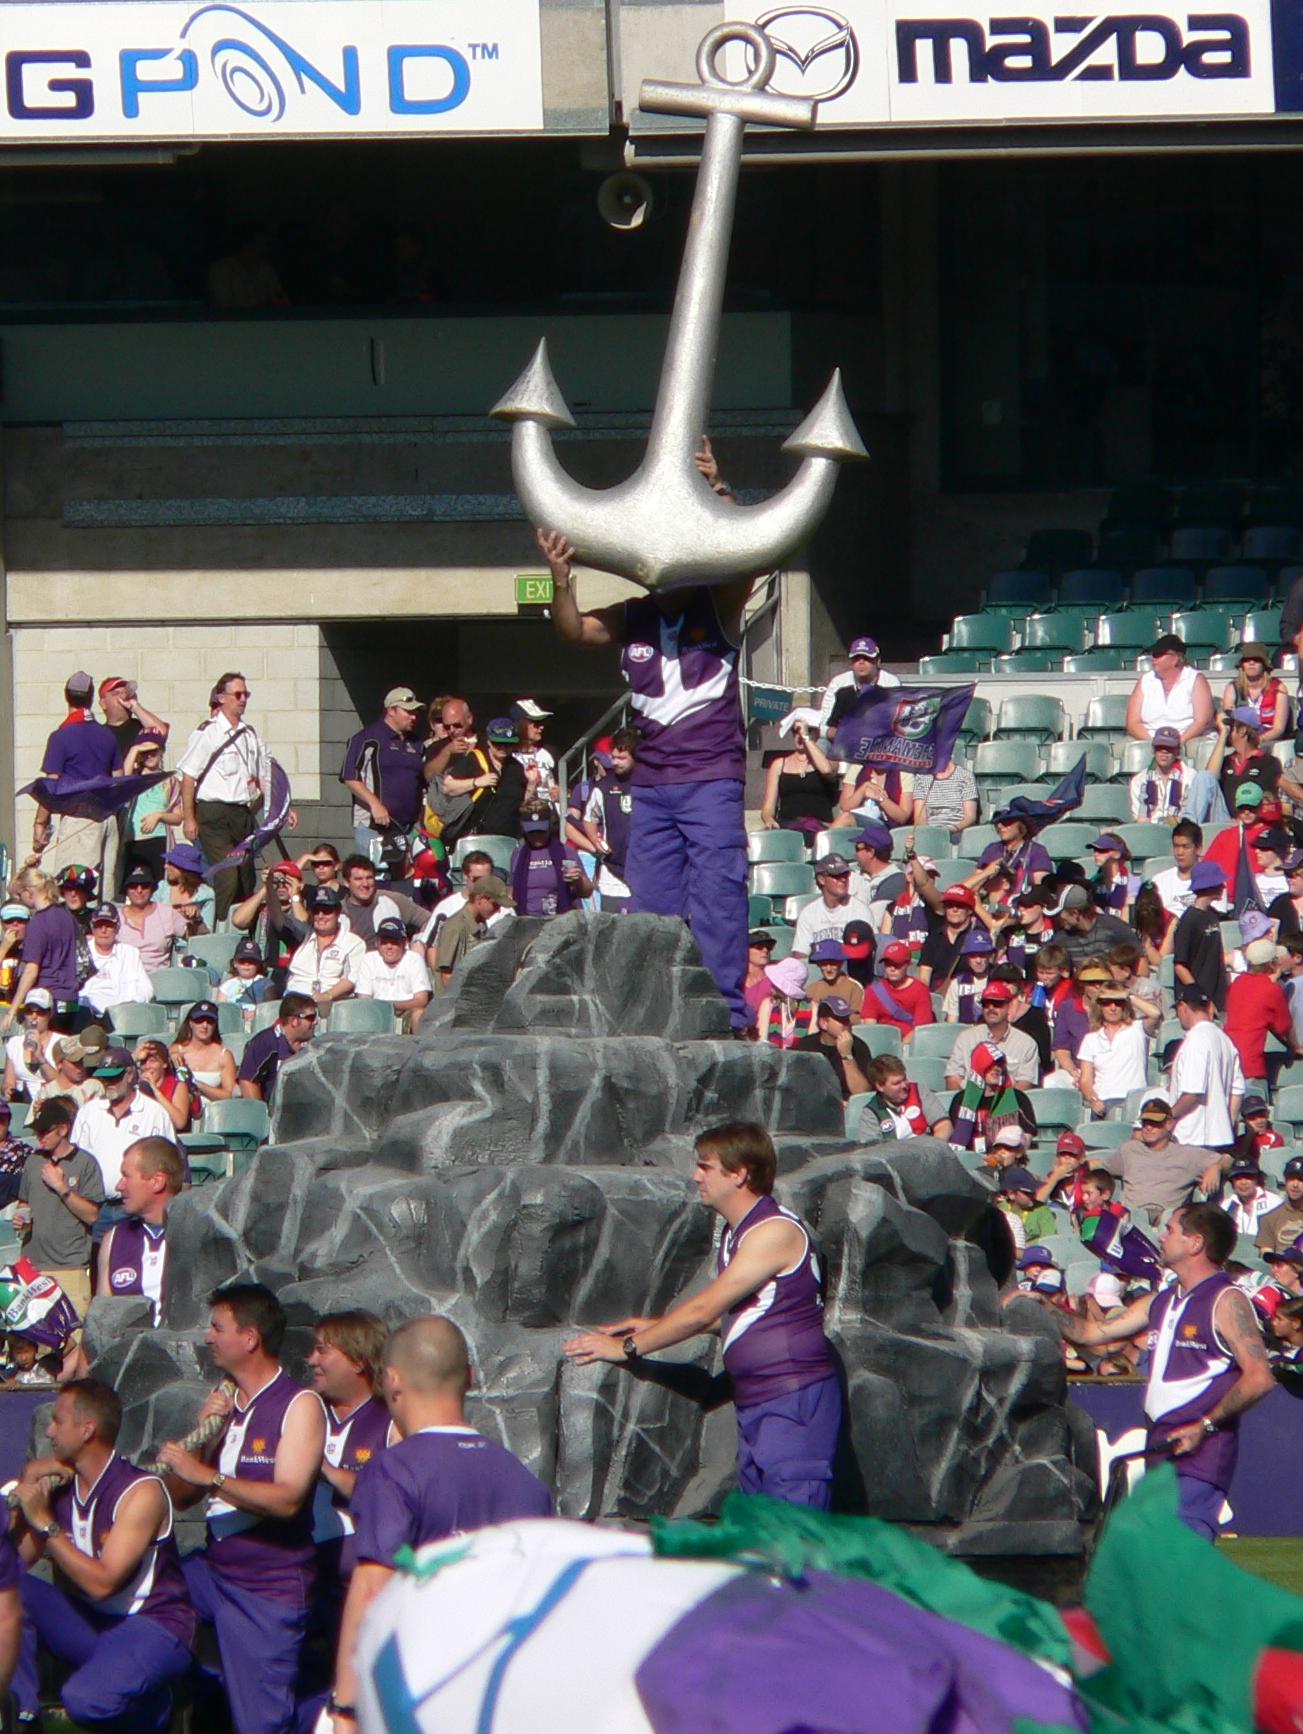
[812, 37]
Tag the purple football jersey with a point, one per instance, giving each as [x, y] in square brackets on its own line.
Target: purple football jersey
[266, 1556]
[773, 1339]
[350, 1444]
[440, 1482]
[156, 1590]
[138, 1260]
[683, 691]
[1190, 1370]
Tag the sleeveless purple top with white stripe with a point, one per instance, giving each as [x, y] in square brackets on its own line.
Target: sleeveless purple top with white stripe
[1190, 1370]
[138, 1261]
[773, 1339]
[683, 690]
[156, 1589]
[266, 1556]
[350, 1444]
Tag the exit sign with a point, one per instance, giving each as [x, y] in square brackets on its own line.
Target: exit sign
[534, 589]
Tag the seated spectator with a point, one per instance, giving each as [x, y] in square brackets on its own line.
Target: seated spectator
[1286, 1269]
[13, 919]
[1171, 788]
[1039, 1275]
[476, 864]
[1024, 1015]
[366, 905]
[1028, 1220]
[149, 927]
[962, 1002]
[787, 1012]
[278, 915]
[546, 877]
[1259, 1134]
[267, 1051]
[995, 1032]
[13, 1155]
[988, 1104]
[829, 957]
[1083, 929]
[188, 891]
[1017, 848]
[896, 997]
[207, 1059]
[247, 985]
[325, 966]
[1114, 885]
[1239, 758]
[948, 798]
[861, 950]
[1061, 1189]
[165, 1082]
[29, 1055]
[396, 974]
[846, 1053]
[322, 867]
[59, 1199]
[898, 1107]
[1114, 1055]
[910, 917]
[1285, 1349]
[1256, 1007]
[487, 909]
[1157, 1172]
[74, 1058]
[827, 916]
[1250, 1201]
[1173, 883]
[1286, 909]
[1027, 928]
[1256, 688]
[943, 947]
[494, 779]
[800, 786]
[871, 797]
[1170, 695]
[77, 887]
[117, 974]
[1281, 1227]
[876, 881]
[755, 984]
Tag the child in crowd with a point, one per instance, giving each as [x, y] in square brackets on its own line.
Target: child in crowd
[1285, 1344]
[1028, 1220]
[1062, 1189]
[247, 984]
[1114, 885]
[1038, 1274]
[829, 957]
[963, 1002]
[1259, 1134]
[1250, 1200]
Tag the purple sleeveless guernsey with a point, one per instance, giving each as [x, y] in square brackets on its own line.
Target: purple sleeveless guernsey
[683, 690]
[264, 1556]
[137, 1261]
[350, 1444]
[1190, 1370]
[157, 1590]
[773, 1340]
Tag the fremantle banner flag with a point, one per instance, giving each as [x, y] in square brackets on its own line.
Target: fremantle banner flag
[94, 798]
[903, 728]
[275, 816]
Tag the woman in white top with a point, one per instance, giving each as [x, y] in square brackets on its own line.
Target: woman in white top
[1171, 695]
[29, 1056]
[200, 1049]
[1114, 1057]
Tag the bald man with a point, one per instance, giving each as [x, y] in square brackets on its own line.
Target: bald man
[442, 1479]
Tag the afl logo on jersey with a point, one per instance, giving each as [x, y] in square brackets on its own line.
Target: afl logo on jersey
[641, 652]
[122, 1278]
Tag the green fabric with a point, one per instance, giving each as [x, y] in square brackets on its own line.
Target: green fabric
[1039, 1221]
[756, 1530]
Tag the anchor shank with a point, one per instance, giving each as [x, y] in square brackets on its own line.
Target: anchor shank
[688, 371]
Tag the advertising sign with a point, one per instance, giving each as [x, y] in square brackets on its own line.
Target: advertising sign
[122, 69]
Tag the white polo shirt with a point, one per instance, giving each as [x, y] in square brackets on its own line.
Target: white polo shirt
[1207, 1064]
[97, 1131]
[316, 969]
[376, 980]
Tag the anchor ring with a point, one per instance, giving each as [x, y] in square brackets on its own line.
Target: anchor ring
[715, 41]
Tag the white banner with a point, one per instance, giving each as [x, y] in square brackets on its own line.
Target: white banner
[114, 69]
[928, 62]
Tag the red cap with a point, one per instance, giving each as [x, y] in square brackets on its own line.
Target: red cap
[984, 1057]
[997, 993]
[1070, 1144]
[291, 868]
[1254, 832]
[964, 895]
[114, 681]
[896, 952]
[1271, 812]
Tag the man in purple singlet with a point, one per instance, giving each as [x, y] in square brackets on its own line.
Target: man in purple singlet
[133, 1254]
[125, 1622]
[441, 1479]
[687, 840]
[1207, 1361]
[253, 1581]
[767, 1302]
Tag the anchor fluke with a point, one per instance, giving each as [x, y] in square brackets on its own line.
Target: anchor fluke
[535, 396]
[829, 430]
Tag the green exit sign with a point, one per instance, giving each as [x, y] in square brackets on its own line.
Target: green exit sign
[533, 589]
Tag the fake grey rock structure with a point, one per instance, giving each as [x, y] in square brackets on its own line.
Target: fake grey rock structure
[523, 1167]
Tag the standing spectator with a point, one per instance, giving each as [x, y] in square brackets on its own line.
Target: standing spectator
[787, 1013]
[487, 908]
[395, 974]
[896, 997]
[995, 1032]
[1157, 1172]
[1207, 1078]
[1171, 788]
[947, 797]
[225, 776]
[49, 950]
[827, 916]
[680, 653]
[60, 1195]
[78, 751]
[1173, 883]
[124, 716]
[151, 927]
[546, 877]
[1281, 1227]
[117, 975]
[133, 1255]
[166, 1082]
[842, 690]
[800, 786]
[847, 1055]
[383, 771]
[607, 822]
[1170, 695]
[266, 1052]
[944, 947]
[1257, 688]
[452, 732]
[530, 719]
[910, 916]
[1250, 1200]
[1256, 1008]
[207, 1059]
[1029, 931]
[900, 1108]
[1114, 1056]
[829, 957]
[29, 1055]
[326, 964]
[495, 781]
[1198, 959]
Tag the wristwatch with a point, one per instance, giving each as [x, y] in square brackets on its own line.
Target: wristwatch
[1209, 1425]
[218, 1481]
[51, 1529]
[335, 1708]
[630, 1349]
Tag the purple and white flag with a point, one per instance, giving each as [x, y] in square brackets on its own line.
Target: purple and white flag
[904, 728]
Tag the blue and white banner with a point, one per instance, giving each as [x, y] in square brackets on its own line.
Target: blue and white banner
[120, 69]
[929, 62]
[903, 728]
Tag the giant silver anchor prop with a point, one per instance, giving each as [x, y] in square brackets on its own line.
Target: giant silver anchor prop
[664, 527]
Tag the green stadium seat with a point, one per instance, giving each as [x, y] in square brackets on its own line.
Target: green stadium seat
[928, 1071]
[855, 1106]
[1203, 629]
[265, 1015]
[1062, 632]
[776, 846]
[130, 1022]
[1105, 717]
[1133, 756]
[1156, 587]
[177, 987]
[1132, 632]
[1028, 662]
[954, 662]
[1067, 837]
[1017, 594]
[781, 878]
[237, 1041]
[830, 842]
[1099, 662]
[1062, 756]
[997, 763]
[360, 1017]
[992, 633]
[1105, 804]
[214, 949]
[1091, 589]
[759, 909]
[242, 1124]
[933, 1041]
[1248, 585]
[1105, 1134]
[1031, 716]
[1271, 546]
[792, 906]
[1145, 840]
[933, 840]
[955, 870]
[880, 1039]
[978, 838]
[979, 719]
[1262, 626]
[500, 848]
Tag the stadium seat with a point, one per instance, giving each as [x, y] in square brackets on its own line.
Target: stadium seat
[926, 1070]
[999, 762]
[236, 1042]
[1128, 546]
[1288, 1111]
[214, 949]
[1246, 584]
[1132, 756]
[265, 1015]
[1147, 503]
[130, 1022]
[1106, 717]
[500, 848]
[1066, 837]
[759, 909]
[1017, 593]
[229, 1017]
[832, 842]
[1203, 630]
[978, 720]
[955, 662]
[776, 846]
[1057, 550]
[792, 906]
[1028, 662]
[1165, 587]
[1276, 503]
[204, 1161]
[1061, 756]
[988, 632]
[1262, 626]
[177, 987]
[1211, 503]
[1271, 545]
[1062, 632]
[360, 1017]
[1002, 797]
[933, 840]
[1104, 1134]
[1200, 545]
[933, 1041]
[978, 838]
[781, 879]
[1092, 589]
[1144, 840]
[1105, 804]
[881, 1039]
[242, 1124]
[956, 869]
[855, 1106]
[1134, 631]
[1031, 716]
[1099, 662]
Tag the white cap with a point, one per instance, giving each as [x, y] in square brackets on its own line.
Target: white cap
[530, 710]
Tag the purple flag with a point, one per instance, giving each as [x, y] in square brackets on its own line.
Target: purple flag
[1124, 1249]
[1244, 888]
[904, 728]
[277, 811]
[1066, 795]
[92, 798]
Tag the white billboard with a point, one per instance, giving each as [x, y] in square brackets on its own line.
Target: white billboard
[122, 69]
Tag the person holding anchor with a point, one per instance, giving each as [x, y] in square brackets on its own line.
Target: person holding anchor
[687, 842]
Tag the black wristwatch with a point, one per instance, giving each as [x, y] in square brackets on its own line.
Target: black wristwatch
[1210, 1426]
[335, 1708]
[630, 1349]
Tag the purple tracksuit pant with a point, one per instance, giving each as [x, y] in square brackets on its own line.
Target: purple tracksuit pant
[260, 1641]
[786, 1445]
[688, 857]
[123, 1664]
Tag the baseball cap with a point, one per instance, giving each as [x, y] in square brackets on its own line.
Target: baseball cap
[1155, 1109]
[15, 912]
[403, 697]
[1017, 1180]
[536, 821]
[502, 731]
[1272, 838]
[106, 912]
[1167, 645]
[290, 869]
[114, 681]
[977, 943]
[1035, 894]
[1093, 970]
[1291, 1255]
[89, 1045]
[1108, 842]
[326, 897]
[997, 993]
[529, 710]
[876, 837]
[203, 1008]
[40, 997]
[112, 1062]
[1008, 1138]
[493, 887]
[1254, 651]
[857, 940]
[1190, 993]
[896, 952]
[1254, 1105]
[1167, 737]
[1243, 1167]
[985, 1056]
[1206, 876]
[151, 738]
[1293, 1169]
[827, 951]
[1070, 1144]
[865, 646]
[1248, 795]
[963, 895]
[1035, 1255]
[247, 951]
[80, 683]
[759, 936]
[391, 929]
[1260, 951]
[1074, 897]
[1294, 861]
[837, 866]
[1248, 714]
[836, 1007]
[140, 876]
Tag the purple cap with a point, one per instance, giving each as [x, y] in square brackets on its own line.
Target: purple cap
[1036, 1255]
[977, 943]
[876, 837]
[1110, 841]
[1206, 876]
[836, 1007]
[826, 951]
[864, 647]
[1248, 714]
[1168, 737]
[1254, 924]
